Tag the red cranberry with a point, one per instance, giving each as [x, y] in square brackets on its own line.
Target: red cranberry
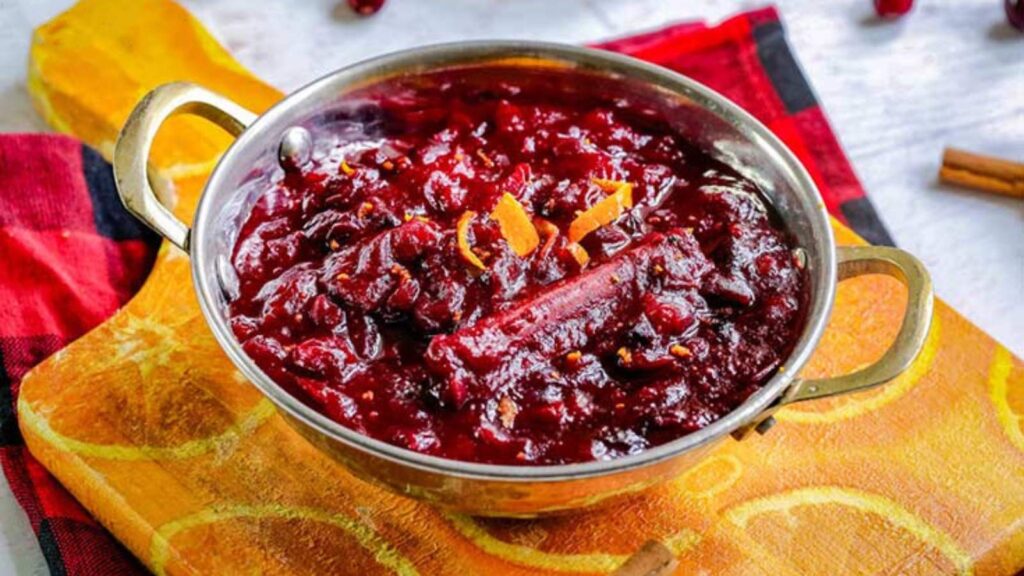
[366, 7]
[1015, 13]
[893, 8]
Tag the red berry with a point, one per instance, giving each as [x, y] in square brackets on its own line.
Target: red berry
[366, 7]
[1015, 13]
[893, 8]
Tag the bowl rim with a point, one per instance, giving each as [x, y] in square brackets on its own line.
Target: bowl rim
[452, 54]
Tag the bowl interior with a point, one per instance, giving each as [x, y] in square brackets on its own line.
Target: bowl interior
[341, 104]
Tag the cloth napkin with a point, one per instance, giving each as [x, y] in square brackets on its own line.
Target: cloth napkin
[70, 255]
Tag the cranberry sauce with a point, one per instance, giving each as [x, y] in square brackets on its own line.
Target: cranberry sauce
[505, 272]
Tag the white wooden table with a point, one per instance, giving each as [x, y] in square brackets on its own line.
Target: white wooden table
[897, 92]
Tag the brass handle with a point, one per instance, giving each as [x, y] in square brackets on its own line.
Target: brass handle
[857, 261]
[131, 153]
[860, 260]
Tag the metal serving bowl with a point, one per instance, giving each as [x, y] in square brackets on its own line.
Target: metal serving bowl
[693, 110]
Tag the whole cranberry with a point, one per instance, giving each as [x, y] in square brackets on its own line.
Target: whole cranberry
[366, 7]
[893, 8]
[1015, 13]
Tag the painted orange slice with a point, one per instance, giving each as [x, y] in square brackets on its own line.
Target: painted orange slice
[1008, 398]
[835, 530]
[854, 340]
[287, 534]
[155, 404]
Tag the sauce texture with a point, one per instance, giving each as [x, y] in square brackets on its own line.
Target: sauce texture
[507, 275]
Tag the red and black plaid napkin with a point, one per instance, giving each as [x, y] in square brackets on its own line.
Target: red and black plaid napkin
[70, 255]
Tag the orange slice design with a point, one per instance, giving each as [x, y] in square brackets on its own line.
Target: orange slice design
[710, 477]
[168, 537]
[848, 406]
[1008, 400]
[857, 528]
[531, 557]
[155, 406]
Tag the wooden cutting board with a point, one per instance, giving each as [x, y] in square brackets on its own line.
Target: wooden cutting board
[149, 425]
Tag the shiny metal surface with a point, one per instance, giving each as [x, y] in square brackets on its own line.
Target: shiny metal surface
[296, 149]
[693, 110]
[856, 261]
[131, 155]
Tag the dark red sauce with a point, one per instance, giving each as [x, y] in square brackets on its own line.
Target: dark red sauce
[354, 295]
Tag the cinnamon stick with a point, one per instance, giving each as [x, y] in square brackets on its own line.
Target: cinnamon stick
[652, 559]
[982, 173]
[591, 308]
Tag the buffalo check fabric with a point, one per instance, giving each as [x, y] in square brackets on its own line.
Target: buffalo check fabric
[747, 59]
[70, 255]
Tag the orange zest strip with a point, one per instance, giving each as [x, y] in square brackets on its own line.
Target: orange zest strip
[605, 211]
[462, 238]
[609, 185]
[579, 253]
[515, 224]
[550, 233]
[545, 227]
